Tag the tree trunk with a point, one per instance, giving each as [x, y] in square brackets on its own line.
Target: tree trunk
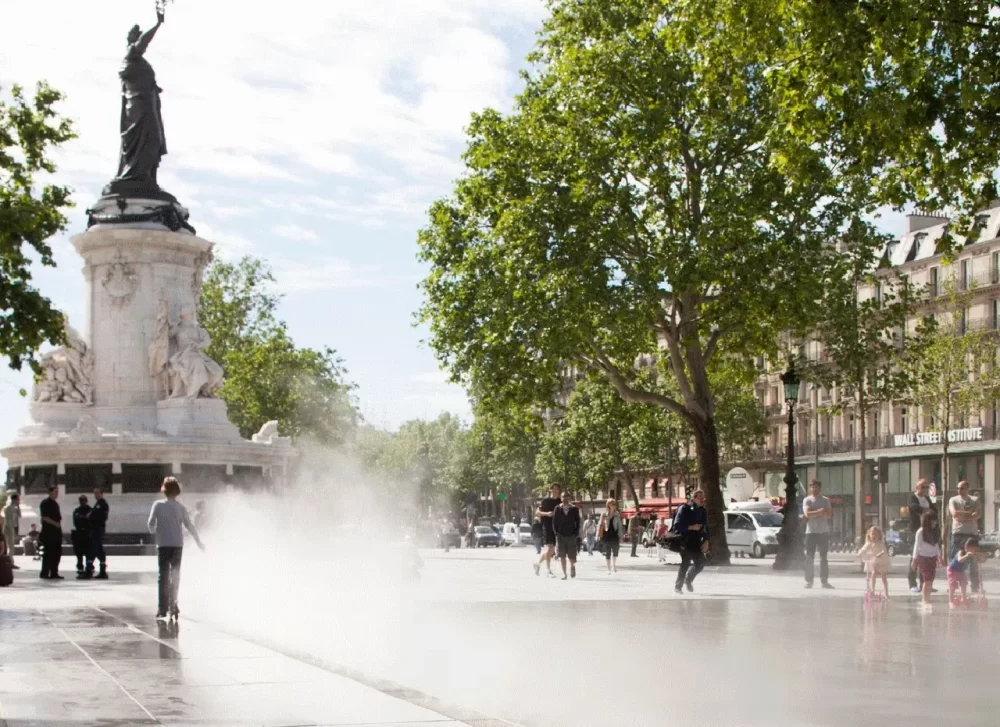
[859, 493]
[631, 487]
[707, 446]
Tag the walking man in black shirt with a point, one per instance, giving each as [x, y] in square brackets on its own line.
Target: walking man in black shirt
[566, 523]
[544, 512]
[80, 537]
[98, 523]
[51, 537]
[691, 523]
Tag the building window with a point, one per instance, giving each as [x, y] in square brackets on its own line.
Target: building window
[995, 268]
[934, 282]
[964, 276]
[978, 227]
[878, 292]
[963, 321]
[850, 427]
[902, 422]
[995, 316]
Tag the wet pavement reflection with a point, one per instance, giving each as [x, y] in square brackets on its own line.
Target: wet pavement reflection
[90, 666]
[469, 641]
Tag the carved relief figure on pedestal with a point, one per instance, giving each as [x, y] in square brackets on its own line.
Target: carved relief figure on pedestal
[159, 351]
[177, 360]
[120, 282]
[68, 372]
[193, 373]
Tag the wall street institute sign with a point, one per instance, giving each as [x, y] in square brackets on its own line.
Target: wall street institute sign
[916, 439]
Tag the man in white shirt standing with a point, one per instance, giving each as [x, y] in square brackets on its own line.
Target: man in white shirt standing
[965, 512]
[817, 512]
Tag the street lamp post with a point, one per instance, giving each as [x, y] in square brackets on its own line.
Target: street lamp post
[789, 545]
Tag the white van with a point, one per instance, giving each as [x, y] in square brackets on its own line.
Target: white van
[752, 528]
[514, 534]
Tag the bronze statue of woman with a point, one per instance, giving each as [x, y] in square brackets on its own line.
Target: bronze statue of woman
[143, 141]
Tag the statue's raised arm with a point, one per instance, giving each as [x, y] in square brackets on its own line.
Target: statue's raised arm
[139, 46]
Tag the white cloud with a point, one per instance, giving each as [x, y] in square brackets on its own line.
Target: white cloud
[329, 273]
[294, 232]
[309, 94]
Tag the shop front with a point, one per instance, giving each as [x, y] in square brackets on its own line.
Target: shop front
[839, 481]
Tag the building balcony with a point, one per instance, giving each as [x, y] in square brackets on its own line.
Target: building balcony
[844, 445]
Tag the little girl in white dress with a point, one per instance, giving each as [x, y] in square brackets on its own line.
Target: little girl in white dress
[876, 559]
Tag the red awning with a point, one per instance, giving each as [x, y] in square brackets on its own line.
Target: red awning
[660, 506]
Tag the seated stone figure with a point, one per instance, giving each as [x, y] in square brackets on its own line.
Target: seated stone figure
[177, 357]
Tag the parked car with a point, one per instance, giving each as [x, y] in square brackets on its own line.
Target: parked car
[990, 543]
[498, 528]
[514, 534]
[752, 532]
[486, 536]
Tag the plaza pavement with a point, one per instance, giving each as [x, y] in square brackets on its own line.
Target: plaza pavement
[481, 640]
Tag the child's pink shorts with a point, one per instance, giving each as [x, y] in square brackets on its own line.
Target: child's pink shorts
[957, 579]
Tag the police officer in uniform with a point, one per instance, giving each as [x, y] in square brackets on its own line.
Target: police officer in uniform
[81, 535]
[98, 523]
[51, 535]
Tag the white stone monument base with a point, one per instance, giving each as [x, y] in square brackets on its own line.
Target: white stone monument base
[196, 419]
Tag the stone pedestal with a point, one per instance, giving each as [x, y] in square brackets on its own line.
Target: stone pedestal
[128, 272]
[102, 413]
[196, 419]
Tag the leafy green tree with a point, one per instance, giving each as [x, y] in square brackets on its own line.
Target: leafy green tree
[612, 436]
[562, 459]
[30, 213]
[429, 456]
[955, 376]
[741, 423]
[900, 94]
[268, 377]
[629, 206]
[867, 350]
[508, 442]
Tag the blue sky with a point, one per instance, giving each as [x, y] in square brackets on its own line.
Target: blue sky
[312, 134]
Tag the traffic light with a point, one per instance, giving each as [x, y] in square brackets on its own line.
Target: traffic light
[688, 490]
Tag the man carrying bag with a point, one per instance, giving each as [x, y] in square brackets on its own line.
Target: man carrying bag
[691, 535]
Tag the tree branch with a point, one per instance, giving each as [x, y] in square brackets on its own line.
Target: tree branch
[629, 393]
[713, 344]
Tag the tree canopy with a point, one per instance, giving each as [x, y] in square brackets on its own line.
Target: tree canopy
[629, 206]
[268, 377]
[901, 93]
[30, 213]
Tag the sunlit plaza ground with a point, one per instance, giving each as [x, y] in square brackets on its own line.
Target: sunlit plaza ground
[480, 640]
